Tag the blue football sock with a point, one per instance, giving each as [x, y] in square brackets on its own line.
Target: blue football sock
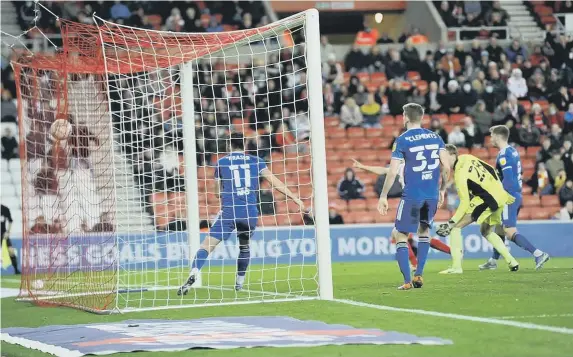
[200, 259]
[402, 258]
[243, 260]
[423, 249]
[522, 242]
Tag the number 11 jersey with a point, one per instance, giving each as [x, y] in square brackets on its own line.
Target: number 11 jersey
[419, 149]
[239, 176]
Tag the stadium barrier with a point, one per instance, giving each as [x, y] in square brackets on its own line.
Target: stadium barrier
[350, 243]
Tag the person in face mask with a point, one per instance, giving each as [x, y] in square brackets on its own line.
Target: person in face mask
[469, 96]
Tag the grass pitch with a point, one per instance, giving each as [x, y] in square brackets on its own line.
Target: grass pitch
[541, 297]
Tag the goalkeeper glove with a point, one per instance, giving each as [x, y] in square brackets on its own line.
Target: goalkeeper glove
[444, 229]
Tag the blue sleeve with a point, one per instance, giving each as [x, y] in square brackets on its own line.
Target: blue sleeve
[397, 150]
[217, 173]
[261, 165]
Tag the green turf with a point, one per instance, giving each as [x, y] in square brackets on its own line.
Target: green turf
[500, 294]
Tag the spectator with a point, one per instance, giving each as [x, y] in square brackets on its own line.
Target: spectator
[174, 22]
[40, 226]
[451, 64]
[568, 119]
[192, 22]
[410, 56]
[301, 126]
[515, 50]
[469, 96]
[397, 97]
[375, 60]
[561, 99]
[332, 71]
[8, 109]
[566, 192]
[452, 101]
[513, 138]
[541, 181]
[536, 84]
[333, 215]
[326, 49]
[215, 26]
[120, 11]
[46, 182]
[440, 52]
[460, 53]
[396, 68]
[380, 95]
[417, 97]
[350, 115]
[556, 136]
[105, 223]
[57, 227]
[566, 213]
[537, 56]
[539, 118]
[384, 39]
[428, 68]
[371, 112]
[564, 7]
[545, 153]
[436, 127]
[355, 60]
[494, 50]
[559, 181]
[456, 137]
[482, 118]
[349, 187]
[516, 110]
[554, 165]
[434, 99]
[361, 95]
[328, 100]
[340, 98]
[9, 146]
[516, 84]
[446, 14]
[473, 136]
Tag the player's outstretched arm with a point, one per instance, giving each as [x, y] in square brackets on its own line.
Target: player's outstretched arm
[378, 170]
[281, 187]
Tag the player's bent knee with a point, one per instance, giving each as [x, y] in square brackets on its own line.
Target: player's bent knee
[484, 229]
[510, 233]
[244, 239]
[423, 229]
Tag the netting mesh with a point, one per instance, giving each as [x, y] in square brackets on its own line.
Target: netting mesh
[125, 86]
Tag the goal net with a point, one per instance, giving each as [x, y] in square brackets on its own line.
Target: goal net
[160, 108]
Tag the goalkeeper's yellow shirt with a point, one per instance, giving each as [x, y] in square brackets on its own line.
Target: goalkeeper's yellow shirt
[477, 178]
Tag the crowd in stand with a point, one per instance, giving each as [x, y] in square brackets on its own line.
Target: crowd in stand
[529, 91]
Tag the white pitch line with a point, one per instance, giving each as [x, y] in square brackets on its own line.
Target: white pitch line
[531, 316]
[487, 320]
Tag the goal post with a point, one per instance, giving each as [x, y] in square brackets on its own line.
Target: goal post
[171, 101]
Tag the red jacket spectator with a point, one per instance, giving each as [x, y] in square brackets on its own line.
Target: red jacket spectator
[40, 226]
[46, 182]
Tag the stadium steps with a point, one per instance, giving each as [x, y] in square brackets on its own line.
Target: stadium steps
[113, 176]
[521, 23]
[10, 18]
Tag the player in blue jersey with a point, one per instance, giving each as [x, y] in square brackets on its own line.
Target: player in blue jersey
[237, 176]
[508, 165]
[421, 151]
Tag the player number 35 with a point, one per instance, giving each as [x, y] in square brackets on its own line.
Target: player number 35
[421, 156]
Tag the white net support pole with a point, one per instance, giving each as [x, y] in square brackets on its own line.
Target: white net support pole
[190, 161]
[318, 151]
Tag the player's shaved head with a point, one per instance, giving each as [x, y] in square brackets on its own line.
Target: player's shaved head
[237, 141]
[500, 130]
[414, 112]
[452, 150]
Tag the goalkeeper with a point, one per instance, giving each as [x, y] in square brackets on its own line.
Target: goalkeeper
[237, 176]
[482, 199]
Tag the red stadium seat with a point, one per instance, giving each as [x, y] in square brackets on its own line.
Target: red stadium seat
[456, 118]
[482, 153]
[549, 200]
[357, 205]
[387, 120]
[540, 214]
[524, 214]
[393, 203]
[385, 155]
[521, 150]
[443, 118]
[526, 105]
[531, 201]
[526, 190]
[413, 75]
[527, 164]
[355, 132]
[374, 133]
[533, 150]
[463, 151]
[492, 151]
[335, 133]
